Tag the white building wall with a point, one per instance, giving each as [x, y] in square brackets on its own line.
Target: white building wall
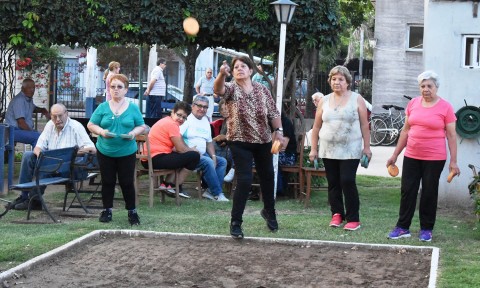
[395, 70]
[445, 23]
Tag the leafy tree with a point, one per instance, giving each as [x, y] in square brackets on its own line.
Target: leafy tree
[249, 26]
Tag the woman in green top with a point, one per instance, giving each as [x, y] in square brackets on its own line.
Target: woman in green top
[117, 122]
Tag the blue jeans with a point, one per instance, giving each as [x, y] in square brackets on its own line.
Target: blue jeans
[213, 175]
[154, 106]
[26, 136]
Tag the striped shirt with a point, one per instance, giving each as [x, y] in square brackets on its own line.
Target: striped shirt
[160, 87]
[73, 133]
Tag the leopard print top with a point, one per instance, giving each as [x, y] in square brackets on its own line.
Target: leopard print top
[249, 115]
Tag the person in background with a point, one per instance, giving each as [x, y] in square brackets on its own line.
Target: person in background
[197, 134]
[156, 90]
[204, 87]
[169, 151]
[288, 154]
[116, 123]
[220, 140]
[315, 99]
[429, 120]
[341, 119]
[113, 68]
[60, 132]
[252, 115]
[19, 114]
[258, 77]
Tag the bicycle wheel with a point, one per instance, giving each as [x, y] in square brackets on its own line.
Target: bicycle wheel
[390, 137]
[378, 133]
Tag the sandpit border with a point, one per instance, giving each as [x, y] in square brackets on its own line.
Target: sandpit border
[6, 275]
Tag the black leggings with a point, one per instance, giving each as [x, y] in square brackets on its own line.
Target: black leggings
[341, 176]
[243, 153]
[124, 167]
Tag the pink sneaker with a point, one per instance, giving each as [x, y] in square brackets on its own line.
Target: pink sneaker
[336, 220]
[352, 226]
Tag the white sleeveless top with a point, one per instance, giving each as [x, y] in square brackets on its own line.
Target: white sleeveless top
[340, 135]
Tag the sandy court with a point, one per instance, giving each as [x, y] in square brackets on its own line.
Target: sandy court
[148, 259]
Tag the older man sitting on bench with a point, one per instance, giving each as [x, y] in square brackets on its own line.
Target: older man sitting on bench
[60, 132]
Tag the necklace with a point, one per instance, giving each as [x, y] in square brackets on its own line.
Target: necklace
[118, 107]
[335, 103]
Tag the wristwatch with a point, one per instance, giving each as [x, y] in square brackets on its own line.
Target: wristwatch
[280, 130]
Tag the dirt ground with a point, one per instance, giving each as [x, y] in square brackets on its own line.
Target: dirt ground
[183, 261]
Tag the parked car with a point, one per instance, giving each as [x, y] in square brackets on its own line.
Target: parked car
[174, 94]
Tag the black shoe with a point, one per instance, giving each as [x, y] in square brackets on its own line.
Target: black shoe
[105, 216]
[12, 204]
[133, 218]
[35, 205]
[271, 219]
[253, 196]
[236, 230]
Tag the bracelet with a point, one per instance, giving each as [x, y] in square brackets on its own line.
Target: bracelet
[214, 155]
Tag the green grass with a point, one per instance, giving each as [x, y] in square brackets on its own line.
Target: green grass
[456, 233]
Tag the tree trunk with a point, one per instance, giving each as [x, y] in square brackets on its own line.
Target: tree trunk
[310, 60]
[193, 50]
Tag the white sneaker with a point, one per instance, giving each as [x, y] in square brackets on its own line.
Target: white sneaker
[221, 198]
[229, 176]
[208, 195]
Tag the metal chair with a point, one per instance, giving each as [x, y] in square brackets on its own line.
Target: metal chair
[52, 167]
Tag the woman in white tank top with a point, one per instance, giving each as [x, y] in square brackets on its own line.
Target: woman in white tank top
[342, 125]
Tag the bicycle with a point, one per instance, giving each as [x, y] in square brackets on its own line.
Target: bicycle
[386, 127]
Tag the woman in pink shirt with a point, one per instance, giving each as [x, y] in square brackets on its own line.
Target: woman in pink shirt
[430, 119]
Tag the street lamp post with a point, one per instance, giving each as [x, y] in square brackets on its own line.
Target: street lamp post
[284, 10]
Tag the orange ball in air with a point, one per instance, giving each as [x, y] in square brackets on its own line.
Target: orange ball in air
[191, 26]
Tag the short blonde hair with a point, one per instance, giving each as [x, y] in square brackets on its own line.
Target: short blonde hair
[112, 65]
[343, 71]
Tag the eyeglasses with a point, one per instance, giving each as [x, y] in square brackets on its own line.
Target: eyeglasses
[117, 86]
[181, 116]
[209, 72]
[201, 106]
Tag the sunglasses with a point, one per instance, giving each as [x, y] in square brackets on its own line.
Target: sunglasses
[201, 106]
[117, 87]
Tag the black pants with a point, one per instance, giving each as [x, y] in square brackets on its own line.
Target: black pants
[124, 168]
[154, 106]
[341, 176]
[243, 153]
[413, 172]
[175, 160]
